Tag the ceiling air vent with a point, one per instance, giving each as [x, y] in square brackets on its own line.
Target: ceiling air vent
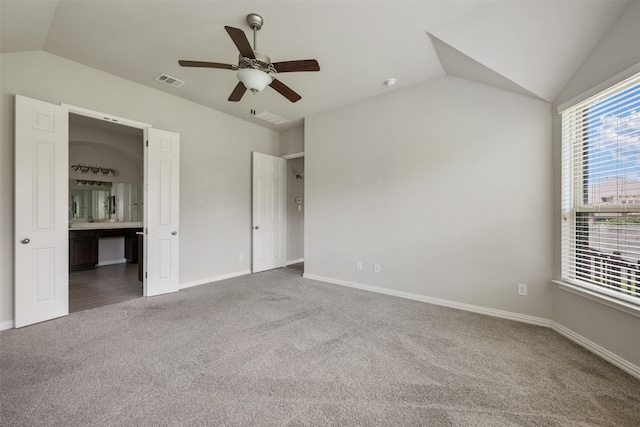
[271, 118]
[171, 81]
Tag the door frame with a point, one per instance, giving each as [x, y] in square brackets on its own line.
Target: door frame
[104, 117]
[148, 130]
[97, 115]
[287, 197]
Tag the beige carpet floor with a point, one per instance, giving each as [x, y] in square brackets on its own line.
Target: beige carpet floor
[274, 349]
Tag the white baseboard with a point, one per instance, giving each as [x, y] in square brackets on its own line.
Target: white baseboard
[7, 324]
[610, 357]
[437, 301]
[214, 279]
[293, 261]
[111, 262]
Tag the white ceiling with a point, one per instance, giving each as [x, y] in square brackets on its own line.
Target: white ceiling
[533, 47]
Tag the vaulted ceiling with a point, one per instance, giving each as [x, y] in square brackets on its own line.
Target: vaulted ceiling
[531, 47]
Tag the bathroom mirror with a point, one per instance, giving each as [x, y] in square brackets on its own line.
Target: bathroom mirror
[99, 201]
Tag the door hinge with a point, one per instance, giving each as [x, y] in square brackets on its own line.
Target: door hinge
[146, 231]
[145, 275]
[147, 142]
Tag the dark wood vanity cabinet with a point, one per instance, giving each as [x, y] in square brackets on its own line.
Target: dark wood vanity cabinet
[83, 246]
[83, 249]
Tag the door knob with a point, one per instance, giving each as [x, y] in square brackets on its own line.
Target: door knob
[255, 227]
[25, 240]
[173, 233]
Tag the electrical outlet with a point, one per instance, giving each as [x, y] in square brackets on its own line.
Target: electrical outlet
[359, 266]
[522, 289]
[376, 268]
[240, 256]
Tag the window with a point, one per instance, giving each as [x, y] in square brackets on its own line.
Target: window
[601, 192]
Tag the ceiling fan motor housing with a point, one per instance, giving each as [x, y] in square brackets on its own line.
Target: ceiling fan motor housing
[261, 62]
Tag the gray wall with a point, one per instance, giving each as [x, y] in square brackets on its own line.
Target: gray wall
[447, 185]
[295, 217]
[215, 186]
[454, 188]
[607, 327]
[292, 141]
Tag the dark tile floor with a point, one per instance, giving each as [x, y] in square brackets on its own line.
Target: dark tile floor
[110, 284]
[299, 266]
[104, 285]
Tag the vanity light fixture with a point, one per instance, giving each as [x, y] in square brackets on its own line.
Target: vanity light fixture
[84, 182]
[93, 169]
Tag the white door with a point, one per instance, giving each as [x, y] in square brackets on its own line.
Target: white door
[161, 240]
[41, 244]
[268, 212]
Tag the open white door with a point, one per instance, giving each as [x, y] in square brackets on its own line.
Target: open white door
[268, 212]
[41, 244]
[161, 240]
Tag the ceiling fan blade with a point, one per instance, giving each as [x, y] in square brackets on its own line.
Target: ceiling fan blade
[237, 93]
[301, 65]
[240, 40]
[285, 90]
[206, 64]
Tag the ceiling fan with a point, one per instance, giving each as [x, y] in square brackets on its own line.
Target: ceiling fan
[255, 69]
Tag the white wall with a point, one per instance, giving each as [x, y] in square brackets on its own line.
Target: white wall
[111, 251]
[613, 330]
[447, 185]
[215, 187]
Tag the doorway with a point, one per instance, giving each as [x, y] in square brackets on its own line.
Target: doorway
[41, 209]
[295, 206]
[106, 178]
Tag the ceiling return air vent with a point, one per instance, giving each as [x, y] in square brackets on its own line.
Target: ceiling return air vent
[271, 118]
[171, 81]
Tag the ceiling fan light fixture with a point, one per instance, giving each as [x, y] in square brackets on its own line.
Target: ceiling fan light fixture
[254, 80]
[255, 68]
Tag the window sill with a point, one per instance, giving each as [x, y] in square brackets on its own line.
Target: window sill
[623, 306]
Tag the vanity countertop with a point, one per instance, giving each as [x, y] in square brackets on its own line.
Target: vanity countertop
[103, 225]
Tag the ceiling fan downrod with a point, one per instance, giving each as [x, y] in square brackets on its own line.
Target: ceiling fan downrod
[255, 22]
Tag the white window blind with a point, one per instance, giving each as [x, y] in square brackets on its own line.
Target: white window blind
[601, 192]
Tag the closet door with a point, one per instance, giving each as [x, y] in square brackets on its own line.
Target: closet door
[268, 186]
[41, 245]
[162, 183]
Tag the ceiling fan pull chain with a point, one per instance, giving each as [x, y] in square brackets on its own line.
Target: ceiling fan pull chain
[253, 104]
